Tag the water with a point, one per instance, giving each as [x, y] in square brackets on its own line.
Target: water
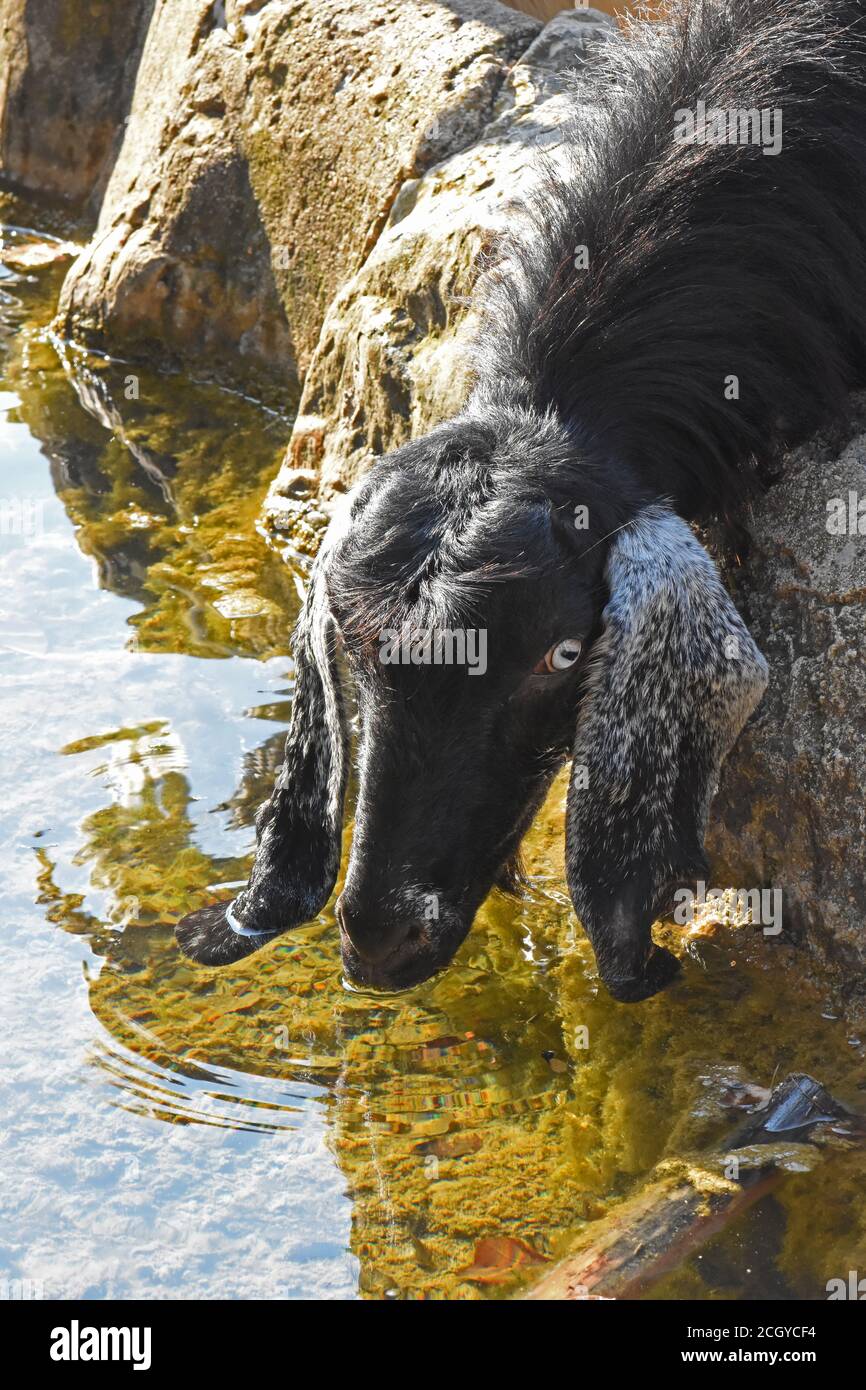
[268, 1132]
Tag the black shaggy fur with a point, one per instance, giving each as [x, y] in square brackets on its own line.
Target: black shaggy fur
[599, 386]
[704, 259]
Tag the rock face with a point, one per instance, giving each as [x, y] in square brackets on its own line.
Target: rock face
[264, 149]
[791, 810]
[67, 69]
[390, 358]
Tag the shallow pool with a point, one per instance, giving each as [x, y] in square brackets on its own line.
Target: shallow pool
[267, 1132]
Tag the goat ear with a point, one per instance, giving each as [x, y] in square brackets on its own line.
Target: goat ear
[299, 829]
[673, 678]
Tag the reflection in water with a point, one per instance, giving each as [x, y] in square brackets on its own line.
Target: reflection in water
[190, 1154]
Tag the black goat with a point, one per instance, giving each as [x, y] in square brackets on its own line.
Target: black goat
[667, 315]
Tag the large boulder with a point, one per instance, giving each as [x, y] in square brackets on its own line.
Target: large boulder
[264, 150]
[391, 357]
[791, 812]
[67, 70]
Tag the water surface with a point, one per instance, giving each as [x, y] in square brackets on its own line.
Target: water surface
[266, 1132]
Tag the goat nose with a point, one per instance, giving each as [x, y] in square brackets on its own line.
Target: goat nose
[373, 935]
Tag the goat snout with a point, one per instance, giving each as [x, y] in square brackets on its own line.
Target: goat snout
[374, 933]
[393, 940]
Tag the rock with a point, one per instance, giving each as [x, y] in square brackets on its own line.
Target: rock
[32, 253]
[790, 812]
[390, 358]
[263, 152]
[67, 69]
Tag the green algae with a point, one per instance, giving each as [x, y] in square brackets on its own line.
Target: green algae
[510, 1097]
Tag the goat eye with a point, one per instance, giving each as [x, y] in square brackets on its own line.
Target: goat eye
[560, 657]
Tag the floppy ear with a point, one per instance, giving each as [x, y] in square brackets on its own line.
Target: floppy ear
[674, 676]
[299, 829]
